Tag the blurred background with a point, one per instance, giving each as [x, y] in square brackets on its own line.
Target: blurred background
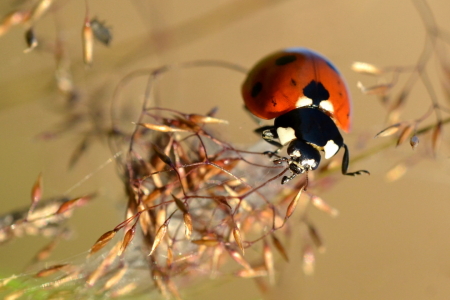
[390, 240]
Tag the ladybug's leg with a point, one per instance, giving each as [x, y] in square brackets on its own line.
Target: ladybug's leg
[260, 130]
[296, 169]
[345, 162]
[269, 134]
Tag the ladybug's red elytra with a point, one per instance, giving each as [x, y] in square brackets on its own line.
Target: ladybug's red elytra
[309, 100]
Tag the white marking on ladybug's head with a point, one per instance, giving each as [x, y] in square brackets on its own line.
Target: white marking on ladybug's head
[285, 135]
[303, 101]
[330, 149]
[296, 153]
[326, 105]
[309, 163]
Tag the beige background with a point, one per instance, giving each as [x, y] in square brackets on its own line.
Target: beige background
[390, 240]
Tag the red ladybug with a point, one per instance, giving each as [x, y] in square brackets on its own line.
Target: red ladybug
[309, 100]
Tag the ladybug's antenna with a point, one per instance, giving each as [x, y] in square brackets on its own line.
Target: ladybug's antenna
[306, 181]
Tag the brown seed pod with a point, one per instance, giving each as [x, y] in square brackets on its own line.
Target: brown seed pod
[206, 241]
[396, 172]
[237, 238]
[366, 68]
[323, 206]
[379, 89]
[51, 270]
[280, 247]
[158, 238]
[315, 237]
[88, 43]
[205, 119]
[268, 262]
[173, 289]
[239, 259]
[14, 295]
[161, 128]
[124, 290]
[14, 18]
[40, 8]
[180, 204]
[129, 235]
[67, 205]
[188, 225]
[113, 280]
[436, 137]
[102, 241]
[36, 191]
[252, 273]
[309, 260]
[388, 131]
[405, 134]
[164, 157]
[169, 259]
[291, 208]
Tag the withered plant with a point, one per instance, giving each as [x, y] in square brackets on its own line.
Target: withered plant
[197, 206]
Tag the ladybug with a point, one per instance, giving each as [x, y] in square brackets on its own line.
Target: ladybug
[309, 100]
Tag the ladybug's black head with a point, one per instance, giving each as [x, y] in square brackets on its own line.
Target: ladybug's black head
[303, 157]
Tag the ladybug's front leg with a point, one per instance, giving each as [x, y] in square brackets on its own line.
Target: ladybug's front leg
[346, 161]
[269, 134]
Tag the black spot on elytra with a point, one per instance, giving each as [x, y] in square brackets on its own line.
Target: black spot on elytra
[332, 66]
[293, 82]
[256, 89]
[274, 103]
[316, 91]
[284, 60]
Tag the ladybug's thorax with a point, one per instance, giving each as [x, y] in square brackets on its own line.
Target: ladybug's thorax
[312, 126]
